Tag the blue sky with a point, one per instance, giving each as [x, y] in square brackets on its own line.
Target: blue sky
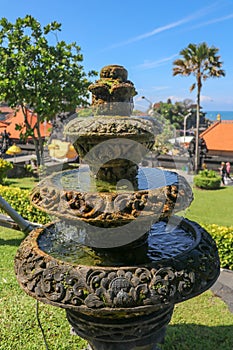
[145, 37]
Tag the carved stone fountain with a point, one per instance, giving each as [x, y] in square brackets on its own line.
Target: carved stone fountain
[117, 259]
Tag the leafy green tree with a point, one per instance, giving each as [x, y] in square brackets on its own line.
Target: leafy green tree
[203, 62]
[165, 131]
[85, 112]
[39, 77]
[171, 112]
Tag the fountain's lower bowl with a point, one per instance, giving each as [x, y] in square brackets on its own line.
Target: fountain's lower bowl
[121, 289]
[129, 305]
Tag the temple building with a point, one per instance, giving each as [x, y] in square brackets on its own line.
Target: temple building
[219, 138]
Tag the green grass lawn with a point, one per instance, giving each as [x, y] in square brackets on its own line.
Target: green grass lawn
[25, 182]
[19, 327]
[212, 206]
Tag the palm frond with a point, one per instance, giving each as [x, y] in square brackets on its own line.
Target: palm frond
[192, 87]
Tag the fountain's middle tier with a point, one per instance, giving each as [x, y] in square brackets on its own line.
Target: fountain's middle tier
[76, 195]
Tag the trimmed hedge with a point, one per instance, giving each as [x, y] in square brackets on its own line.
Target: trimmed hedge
[223, 237]
[207, 179]
[5, 166]
[20, 201]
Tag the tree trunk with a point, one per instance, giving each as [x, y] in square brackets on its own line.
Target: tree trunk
[37, 150]
[34, 138]
[40, 143]
[196, 162]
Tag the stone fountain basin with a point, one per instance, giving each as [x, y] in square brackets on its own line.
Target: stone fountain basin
[157, 195]
[119, 291]
[92, 131]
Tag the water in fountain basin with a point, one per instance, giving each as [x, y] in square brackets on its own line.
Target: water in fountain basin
[81, 180]
[66, 242]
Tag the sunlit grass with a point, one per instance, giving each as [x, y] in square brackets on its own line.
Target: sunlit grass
[212, 206]
[19, 327]
[24, 182]
[201, 323]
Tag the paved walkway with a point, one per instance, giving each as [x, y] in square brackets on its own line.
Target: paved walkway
[223, 287]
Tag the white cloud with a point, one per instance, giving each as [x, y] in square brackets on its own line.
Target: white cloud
[157, 63]
[212, 21]
[203, 98]
[206, 98]
[168, 26]
[177, 98]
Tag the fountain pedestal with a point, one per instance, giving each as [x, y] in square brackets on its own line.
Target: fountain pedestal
[118, 259]
[138, 332]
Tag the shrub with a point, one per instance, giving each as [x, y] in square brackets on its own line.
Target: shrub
[19, 200]
[207, 173]
[207, 179]
[5, 166]
[223, 237]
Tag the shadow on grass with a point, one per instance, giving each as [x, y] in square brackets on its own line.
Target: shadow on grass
[11, 242]
[13, 184]
[198, 337]
[210, 189]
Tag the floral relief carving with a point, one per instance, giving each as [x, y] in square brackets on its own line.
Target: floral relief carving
[97, 287]
[160, 203]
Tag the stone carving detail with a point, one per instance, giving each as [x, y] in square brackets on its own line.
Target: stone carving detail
[112, 94]
[112, 98]
[90, 132]
[112, 207]
[150, 324]
[108, 126]
[169, 281]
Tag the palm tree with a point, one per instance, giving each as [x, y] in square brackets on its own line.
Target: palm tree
[202, 62]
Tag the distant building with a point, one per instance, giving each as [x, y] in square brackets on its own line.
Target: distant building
[5, 111]
[14, 118]
[219, 138]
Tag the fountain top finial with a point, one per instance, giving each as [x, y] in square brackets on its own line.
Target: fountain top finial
[113, 93]
[112, 104]
[114, 71]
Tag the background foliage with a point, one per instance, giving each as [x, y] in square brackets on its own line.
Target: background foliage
[207, 179]
[5, 166]
[39, 77]
[223, 237]
[20, 201]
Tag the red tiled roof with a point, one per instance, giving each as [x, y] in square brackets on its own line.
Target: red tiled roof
[6, 109]
[3, 124]
[18, 118]
[219, 136]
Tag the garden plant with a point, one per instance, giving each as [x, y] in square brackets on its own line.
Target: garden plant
[207, 179]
